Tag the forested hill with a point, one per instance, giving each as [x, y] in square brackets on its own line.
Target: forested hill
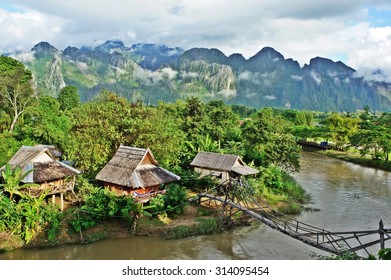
[152, 72]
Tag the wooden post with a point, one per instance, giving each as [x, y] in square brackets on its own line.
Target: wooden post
[53, 198]
[62, 201]
[381, 233]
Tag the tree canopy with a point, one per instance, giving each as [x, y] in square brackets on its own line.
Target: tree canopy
[16, 91]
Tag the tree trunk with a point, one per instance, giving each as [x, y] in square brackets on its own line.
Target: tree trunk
[13, 124]
[16, 116]
[134, 223]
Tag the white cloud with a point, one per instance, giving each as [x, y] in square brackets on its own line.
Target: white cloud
[152, 77]
[376, 54]
[257, 78]
[245, 75]
[370, 74]
[316, 77]
[169, 72]
[270, 97]
[227, 93]
[21, 31]
[25, 57]
[300, 29]
[297, 78]
[189, 74]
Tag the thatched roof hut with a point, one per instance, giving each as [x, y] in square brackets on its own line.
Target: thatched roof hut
[50, 175]
[45, 167]
[134, 171]
[221, 165]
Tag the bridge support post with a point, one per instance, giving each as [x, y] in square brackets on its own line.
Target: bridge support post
[381, 233]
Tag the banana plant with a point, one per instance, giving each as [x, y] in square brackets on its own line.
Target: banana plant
[13, 181]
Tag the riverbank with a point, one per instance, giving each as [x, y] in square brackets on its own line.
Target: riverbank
[357, 159]
[194, 221]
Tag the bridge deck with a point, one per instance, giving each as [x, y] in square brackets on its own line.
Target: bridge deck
[332, 242]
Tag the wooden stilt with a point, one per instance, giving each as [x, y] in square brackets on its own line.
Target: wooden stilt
[62, 201]
[381, 232]
[53, 198]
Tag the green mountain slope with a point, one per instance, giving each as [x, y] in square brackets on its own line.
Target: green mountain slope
[155, 72]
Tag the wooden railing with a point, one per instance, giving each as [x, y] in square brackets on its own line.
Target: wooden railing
[337, 242]
[49, 190]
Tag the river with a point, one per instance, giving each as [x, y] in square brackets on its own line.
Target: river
[348, 196]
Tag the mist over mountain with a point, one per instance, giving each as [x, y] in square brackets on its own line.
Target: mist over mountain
[153, 72]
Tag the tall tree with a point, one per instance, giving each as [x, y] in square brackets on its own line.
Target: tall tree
[68, 98]
[46, 123]
[16, 91]
[341, 128]
[99, 127]
[268, 141]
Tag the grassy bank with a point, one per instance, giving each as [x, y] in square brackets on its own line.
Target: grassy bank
[357, 159]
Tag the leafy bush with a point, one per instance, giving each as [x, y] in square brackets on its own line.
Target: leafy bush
[83, 188]
[191, 180]
[294, 191]
[208, 226]
[28, 217]
[156, 205]
[175, 199]
[384, 254]
[271, 177]
[101, 205]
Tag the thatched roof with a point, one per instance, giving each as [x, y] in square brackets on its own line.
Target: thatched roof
[134, 168]
[45, 167]
[222, 162]
[51, 170]
[53, 150]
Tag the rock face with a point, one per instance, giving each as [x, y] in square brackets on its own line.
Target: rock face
[156, 72]
[43, 49]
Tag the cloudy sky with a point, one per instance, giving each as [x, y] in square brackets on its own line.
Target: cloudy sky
[357, 32]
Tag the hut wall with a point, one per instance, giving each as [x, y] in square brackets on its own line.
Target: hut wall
[55, 183]
[43, 158]
[148, 160]
[205, 172]
[58, 186]
[122, 190]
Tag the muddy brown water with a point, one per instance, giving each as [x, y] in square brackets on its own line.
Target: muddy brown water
[348, 196]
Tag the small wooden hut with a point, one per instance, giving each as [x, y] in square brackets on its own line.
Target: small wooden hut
[51, 175]
[136, 172]
[222, 166]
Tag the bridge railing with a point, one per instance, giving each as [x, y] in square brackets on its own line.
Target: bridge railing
[337, 242]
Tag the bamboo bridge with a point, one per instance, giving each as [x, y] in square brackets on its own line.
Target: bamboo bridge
[235, 196]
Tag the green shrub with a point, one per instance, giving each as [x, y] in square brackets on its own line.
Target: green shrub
[100, 205]
[175, 199]
[179, 232]
[156, 205]
[205, 226]
[271, 177]
[294, 191]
